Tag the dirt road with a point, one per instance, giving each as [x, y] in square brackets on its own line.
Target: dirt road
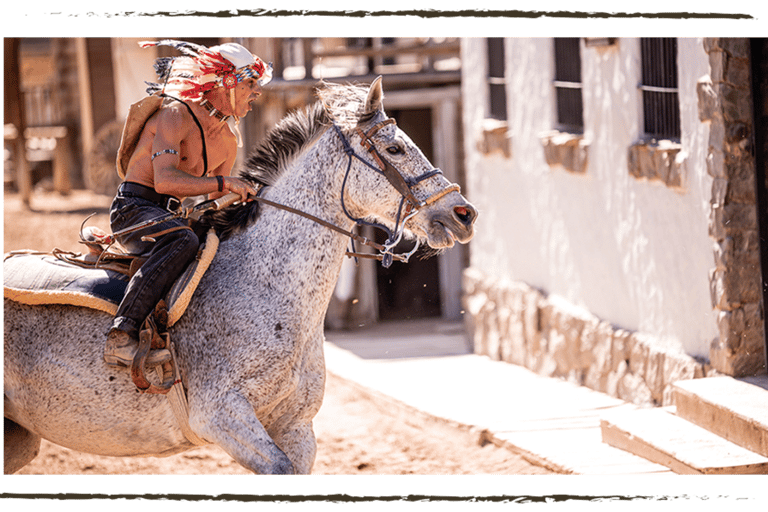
[356, 433]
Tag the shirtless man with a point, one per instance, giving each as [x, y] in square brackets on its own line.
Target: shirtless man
[186, 148]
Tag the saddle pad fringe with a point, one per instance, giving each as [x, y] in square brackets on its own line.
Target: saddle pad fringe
[177, 398]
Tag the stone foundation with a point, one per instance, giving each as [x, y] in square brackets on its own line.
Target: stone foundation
[513, 322]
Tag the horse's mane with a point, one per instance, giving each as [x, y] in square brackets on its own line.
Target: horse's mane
[342, 105]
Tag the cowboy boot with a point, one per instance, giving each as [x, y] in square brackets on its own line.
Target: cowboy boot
[121, 348]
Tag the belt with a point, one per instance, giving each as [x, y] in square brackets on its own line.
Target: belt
[131, 189]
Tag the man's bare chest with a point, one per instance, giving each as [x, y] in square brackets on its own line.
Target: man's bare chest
[198, 155]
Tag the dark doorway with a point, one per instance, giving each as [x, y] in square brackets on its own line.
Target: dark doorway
[759, 50]
[412, 290]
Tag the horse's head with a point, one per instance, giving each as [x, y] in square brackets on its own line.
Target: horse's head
[392, 183]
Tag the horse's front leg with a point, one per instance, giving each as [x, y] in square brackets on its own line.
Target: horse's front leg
[232, 424]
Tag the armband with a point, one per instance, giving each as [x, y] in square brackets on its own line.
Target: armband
[220, 180]
[163, 152]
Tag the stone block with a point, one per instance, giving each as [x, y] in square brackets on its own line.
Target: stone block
[632, 388]
[737, 72]
[633, 163]
[638, 355]
[731, 289]
[739, 164]
[613, 378]
[620, 348]
[723, 252]
[682, 367]
[716, 289]
[532, 316]
[716, 160]
[736, 103]
[566, 150]
[727, 361]
[719, 192]
[654, 374]
[717, 63]
[709, 105]
[737, 131]
[716, 133]
[741, 190]
[676, 171]
[735, 47]
[739, 217]
[711, 44]
[728, 328]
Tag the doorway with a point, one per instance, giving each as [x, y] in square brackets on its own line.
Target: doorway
[411, 291]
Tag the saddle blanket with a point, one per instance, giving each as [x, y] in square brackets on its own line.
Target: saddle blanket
[38, 279]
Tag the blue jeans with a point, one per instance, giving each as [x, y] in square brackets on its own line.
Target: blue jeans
[166, 258]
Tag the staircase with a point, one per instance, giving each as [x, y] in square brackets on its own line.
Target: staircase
[718, 425]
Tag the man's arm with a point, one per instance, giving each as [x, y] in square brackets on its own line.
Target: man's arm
[173, 126]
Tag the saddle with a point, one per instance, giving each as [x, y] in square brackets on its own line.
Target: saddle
[96, 279]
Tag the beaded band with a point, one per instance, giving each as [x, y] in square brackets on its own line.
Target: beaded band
[163, 152]
[220, 179]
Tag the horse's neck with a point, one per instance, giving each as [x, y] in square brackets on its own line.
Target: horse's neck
[293, 251]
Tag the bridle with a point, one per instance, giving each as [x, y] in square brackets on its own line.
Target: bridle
[402, 184]
[408, 208]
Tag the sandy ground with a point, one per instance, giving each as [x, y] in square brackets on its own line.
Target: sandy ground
[357, 432]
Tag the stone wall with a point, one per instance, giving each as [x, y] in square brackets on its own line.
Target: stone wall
[725, 102]
[513, 322]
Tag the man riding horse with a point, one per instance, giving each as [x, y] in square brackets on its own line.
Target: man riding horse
[176, 143]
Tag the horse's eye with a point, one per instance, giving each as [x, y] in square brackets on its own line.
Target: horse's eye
[394, 150]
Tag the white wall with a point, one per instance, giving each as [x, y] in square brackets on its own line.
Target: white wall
[634, 253]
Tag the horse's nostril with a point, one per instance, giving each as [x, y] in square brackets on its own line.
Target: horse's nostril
[465, 214]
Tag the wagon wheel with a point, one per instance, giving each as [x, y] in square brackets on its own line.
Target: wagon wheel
[100, 174]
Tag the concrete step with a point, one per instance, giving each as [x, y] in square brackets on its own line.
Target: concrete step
[734, 409]
[660, 436]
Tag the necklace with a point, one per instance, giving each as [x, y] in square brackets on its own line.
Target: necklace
[213, 111]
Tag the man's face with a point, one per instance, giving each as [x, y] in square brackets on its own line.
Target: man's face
[246, 92]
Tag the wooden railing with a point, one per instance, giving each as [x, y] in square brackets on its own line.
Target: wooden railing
[405, 57]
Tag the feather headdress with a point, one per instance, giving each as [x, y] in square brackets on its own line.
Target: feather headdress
[200, 69]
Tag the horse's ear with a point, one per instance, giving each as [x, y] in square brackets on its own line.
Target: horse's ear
[375, 96]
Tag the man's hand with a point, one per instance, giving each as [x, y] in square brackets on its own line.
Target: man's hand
[240, 187]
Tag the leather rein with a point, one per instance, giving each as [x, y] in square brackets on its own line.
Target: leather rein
[409, 204]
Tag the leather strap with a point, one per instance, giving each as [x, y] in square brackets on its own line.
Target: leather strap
[200, 127]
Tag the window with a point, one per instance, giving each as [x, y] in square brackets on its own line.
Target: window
[568, 85]
[661, 107]
[496, 81]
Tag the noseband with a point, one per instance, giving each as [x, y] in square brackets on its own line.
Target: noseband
[402, 184]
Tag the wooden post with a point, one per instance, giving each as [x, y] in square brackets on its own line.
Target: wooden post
[14, 114]
[309, 57]
[86, 105]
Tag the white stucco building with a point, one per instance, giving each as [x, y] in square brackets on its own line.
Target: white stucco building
[593, 258]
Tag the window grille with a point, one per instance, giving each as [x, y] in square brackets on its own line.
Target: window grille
[568, 97]
[661, 106]
[497, 85]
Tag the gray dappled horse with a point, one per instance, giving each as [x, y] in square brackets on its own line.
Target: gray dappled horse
[250, 345]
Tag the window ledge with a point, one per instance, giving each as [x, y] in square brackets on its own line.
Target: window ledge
[495, 138]
[566, 150]
[661, 160]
